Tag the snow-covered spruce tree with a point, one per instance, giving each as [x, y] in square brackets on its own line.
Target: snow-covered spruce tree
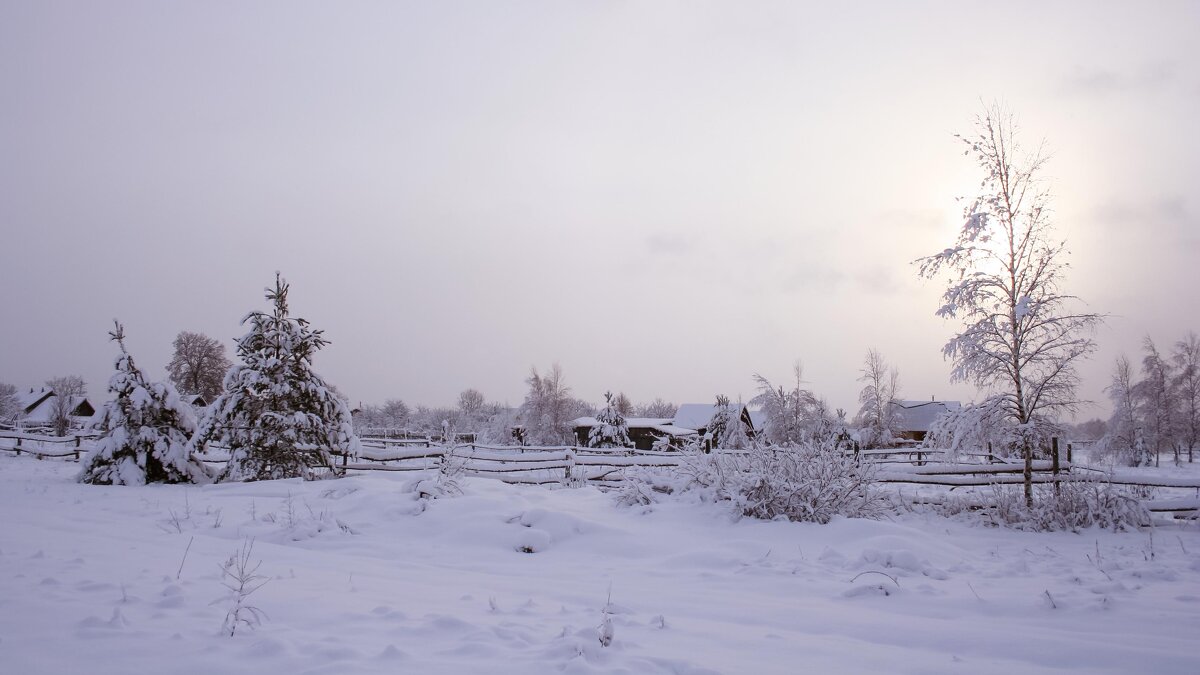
[611, 432]
[1020, 339]
[725, 429]
[276, 416]
[144, 431]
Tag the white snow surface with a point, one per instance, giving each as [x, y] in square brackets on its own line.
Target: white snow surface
[364, 579]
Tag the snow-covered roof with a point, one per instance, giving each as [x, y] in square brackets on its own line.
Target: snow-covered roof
[672, 430]
[920, 415]
[43, 411]
[29, 398]
[758, 419]
[698, 415]
[639, 422]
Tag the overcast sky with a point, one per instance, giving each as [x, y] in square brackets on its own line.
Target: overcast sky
[664, 198]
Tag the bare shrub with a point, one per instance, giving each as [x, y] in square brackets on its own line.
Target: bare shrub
[1071, 505]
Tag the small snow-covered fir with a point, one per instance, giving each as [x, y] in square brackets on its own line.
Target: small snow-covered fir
[145, 431]
[612, 431]
[277, 417]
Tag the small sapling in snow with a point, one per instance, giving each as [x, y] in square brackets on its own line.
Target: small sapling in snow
[242, 579]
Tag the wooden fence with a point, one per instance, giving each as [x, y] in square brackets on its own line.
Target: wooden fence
[554, 465]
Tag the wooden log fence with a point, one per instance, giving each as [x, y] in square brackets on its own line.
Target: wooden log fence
[551, 465]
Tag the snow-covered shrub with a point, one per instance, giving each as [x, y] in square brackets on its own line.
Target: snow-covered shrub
[611, 432]
[277, 417]
[144, 431]
[643, 486]
[795, 415]
[989, 424]
[1074, 505]
[725, 428]
[808, 482]
[447, 482]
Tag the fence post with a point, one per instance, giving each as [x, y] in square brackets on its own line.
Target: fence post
[991, 457]
[1054, 461]
[76, 448]
[1069, 461]
[568, 466]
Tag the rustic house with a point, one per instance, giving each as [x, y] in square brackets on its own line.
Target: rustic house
[916, 417]
[644, 432]
[698, 415]
[691, 421]
[37, 407]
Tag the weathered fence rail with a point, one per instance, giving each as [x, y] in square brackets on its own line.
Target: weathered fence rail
[550, 465]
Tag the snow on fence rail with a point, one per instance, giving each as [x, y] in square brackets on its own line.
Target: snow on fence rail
[40, 445]
[553, 465]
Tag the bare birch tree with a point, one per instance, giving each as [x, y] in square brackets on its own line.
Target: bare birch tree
[1123, 441]
[1187, 384]
[877, 415]
[1021, 338]
[10, 407]
[547, 408]
[1156, 402]
[67, 389]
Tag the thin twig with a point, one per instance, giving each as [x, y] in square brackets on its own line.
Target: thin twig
[185, 552]
[894, 581]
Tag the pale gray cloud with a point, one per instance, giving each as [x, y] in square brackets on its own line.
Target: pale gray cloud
[1099, 81]
[453, 188]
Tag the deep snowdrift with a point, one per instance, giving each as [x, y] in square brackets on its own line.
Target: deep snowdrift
[363, 579]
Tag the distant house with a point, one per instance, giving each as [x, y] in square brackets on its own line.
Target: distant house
[916, 417]
[37, 407]
[194, 400]
[691, 421]
[644, 432]
[698, 416]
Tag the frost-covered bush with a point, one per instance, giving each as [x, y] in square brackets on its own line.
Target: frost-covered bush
[276, 416]
[989, 425]
[726, 428]
[1074, 505]
[808, 482]
[794, 415]
[144, 431]
[447, 482]
[612, 431]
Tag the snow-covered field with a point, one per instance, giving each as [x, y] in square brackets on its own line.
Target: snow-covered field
[362, 580]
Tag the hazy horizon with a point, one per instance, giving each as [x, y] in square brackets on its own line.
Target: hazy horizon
[663, 198]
